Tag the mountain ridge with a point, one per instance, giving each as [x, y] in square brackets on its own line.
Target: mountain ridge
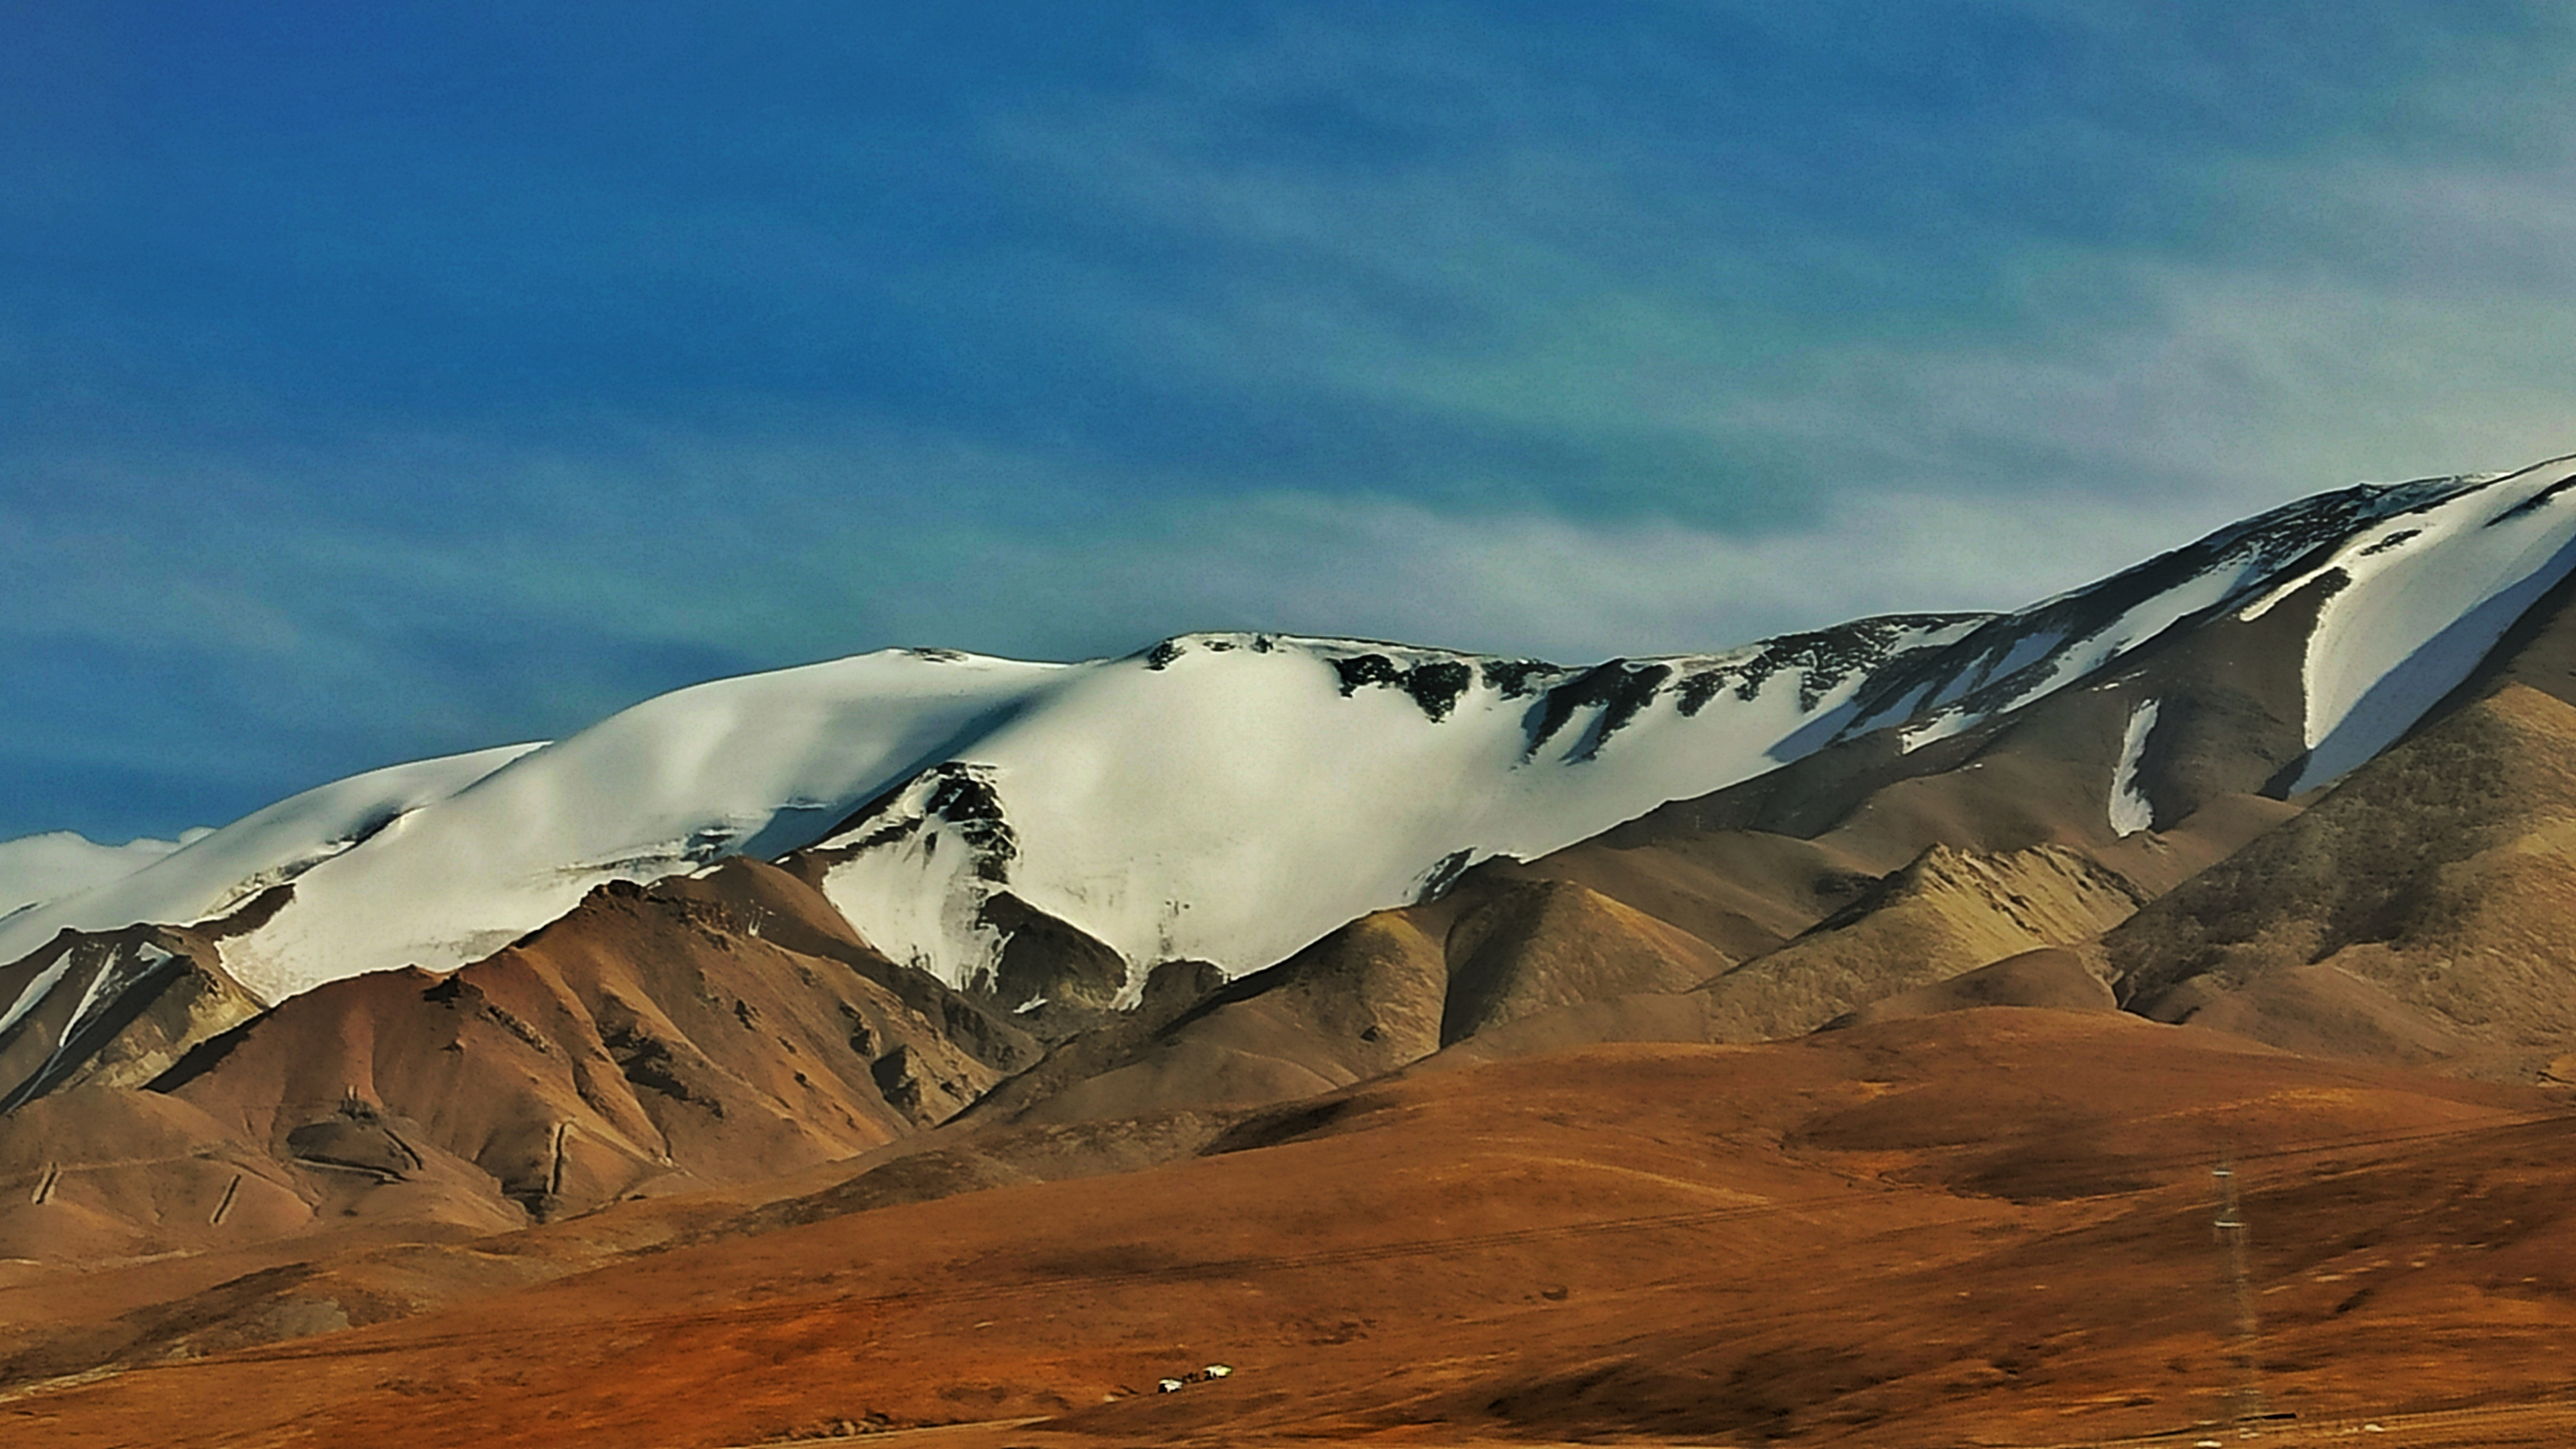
[446, 860]
[1434, 847]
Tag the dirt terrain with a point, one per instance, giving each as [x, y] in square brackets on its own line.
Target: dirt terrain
[1989, 1225]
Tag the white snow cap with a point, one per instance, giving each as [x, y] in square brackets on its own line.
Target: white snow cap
[1228, 797]
[39, 868]
[216, 873]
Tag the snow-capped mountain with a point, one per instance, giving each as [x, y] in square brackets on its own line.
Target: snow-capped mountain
[1218, 796]
[39, 868]
[1229, 797]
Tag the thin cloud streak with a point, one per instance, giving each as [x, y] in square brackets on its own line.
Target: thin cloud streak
[1440, 324]
[1520, 583]
[2334, 315]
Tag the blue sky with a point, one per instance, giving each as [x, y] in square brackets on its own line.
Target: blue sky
[381, 381]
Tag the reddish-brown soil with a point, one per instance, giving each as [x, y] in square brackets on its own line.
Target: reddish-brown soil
[1983, 1226]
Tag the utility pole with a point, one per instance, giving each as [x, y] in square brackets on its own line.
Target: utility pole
[2230, 1231]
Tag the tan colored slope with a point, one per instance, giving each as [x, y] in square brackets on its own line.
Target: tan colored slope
[229, 1290]
[2426, 907]
[1543, 961]
[1388, 989]
[96, 1174]
[1554, 943]
[1919, 936]
[1360, 1002]
[1949, 912]
[2229, 699]
[2230, 717]
[1742, 891]
[121, 1007]
[650, 1039]
[1813, 877]
[2052, 977]
[1988, 1226]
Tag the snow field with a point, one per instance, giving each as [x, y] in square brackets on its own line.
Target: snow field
[1234, 805]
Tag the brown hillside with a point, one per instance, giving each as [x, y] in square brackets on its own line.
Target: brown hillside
[1813, 877]
[651, 1039]
[1987, 1226]
[2422, 908]
[1384, 991]
[1946, 913]
[2052, 977]
[1547, 944]
[161, 990]
[2230, 717]
[1363, 1000]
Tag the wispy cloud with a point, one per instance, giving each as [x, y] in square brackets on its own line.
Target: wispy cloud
[1535, 582]
[1450, 323]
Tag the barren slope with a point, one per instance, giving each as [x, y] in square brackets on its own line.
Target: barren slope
[1945, 914]
[1386, 990]
[2421, 909]
[702, 1032]
[1988, 1224]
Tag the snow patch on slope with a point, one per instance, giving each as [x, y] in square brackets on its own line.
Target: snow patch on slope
[2130, 812]
[110, 967]
[926, 859]
[37, 990]
[2025, 656]
[124, 968]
